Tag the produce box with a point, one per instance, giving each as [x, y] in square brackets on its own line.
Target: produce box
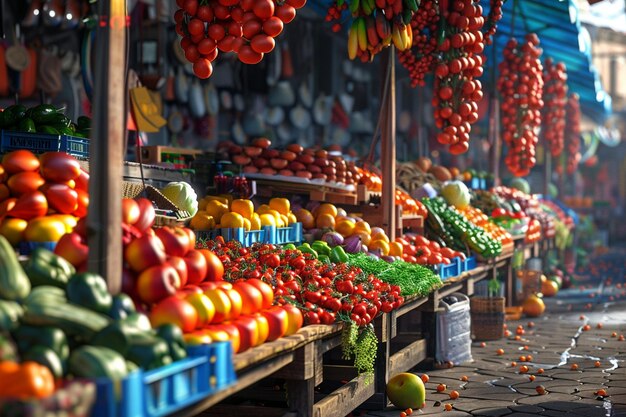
[453, 269]
[75, 399]
[25, 248]
[40, 143]
[268, 234]
[468, 264]
[162, 391]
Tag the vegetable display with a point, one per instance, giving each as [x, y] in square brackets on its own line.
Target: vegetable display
[572, 133]
[245, 27]
[457, 231]
[520, 84]
[44, 118]
[555, 98]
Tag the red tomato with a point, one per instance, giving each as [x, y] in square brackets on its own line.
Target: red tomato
[263, 9]
[18, 161]
[298, 4]
[24, 182]
[191, 7]
[202, 68]
[251, 28]
[195, 27]
[83, 204]
[215, 267]
[205, 13]
[216, 31]
[262, 44]
[248, 56]
[285, 12]
[61, 198]
[206, 46]
[273, 27]
[29, 205]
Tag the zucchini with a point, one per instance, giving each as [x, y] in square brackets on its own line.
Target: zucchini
[14, 283]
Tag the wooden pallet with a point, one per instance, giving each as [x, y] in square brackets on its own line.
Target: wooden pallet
[154, 154]
[365, 196]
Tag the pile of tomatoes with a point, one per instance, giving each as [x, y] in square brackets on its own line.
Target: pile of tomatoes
[555, 98]
[245, 27]
[325, 292]
[521, 88]
[572, 133]
[422, 251]
[457, 91]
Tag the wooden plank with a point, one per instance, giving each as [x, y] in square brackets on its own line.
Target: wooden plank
[244, 380]
[344, 400]
[108, 143]
[407, 358]
[228, 410]
[303, 365]
[339, 372]
[301, 397]
[388, 143]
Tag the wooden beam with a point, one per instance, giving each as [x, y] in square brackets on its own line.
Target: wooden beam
[344, 400]
[104, 221]
[388, 143]
[407, 358]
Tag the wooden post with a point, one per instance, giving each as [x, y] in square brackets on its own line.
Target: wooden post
[104, 223]
[388, 145]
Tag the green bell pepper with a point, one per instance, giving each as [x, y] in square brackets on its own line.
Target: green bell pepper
[89, 290]
[338, 255]
[46, 268]
[121, 307]
[52, 337]
[26, 125]
[44, 114]
[97, 362]
[289, 246]
[321, 247]
[119, 335]
[323, 258]
[173, 336]
[83, 122]
[306, 248]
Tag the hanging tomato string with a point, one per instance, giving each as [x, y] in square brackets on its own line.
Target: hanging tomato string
[572, 133]
[555, 98]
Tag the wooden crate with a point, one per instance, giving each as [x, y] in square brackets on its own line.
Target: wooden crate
[155, 155]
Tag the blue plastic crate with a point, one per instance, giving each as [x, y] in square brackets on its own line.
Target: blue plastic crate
[469, 263]
[246, 238]
[162, 391]
[26, 248]
[291, 234]
[40, 143]
[453, 269]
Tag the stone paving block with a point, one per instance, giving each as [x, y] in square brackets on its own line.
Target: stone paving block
[471, 404]
[541, 400]
[618, 399]
[531, 409]
[491, 412]
[553, 413]
[590, 412]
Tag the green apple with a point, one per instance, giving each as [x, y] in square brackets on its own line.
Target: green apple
[406, 390]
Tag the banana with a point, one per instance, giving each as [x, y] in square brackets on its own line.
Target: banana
[354, 7]
[372, 36]
[362, 33]
[410, 5]
[371, 4]
[409, 36]
[387, 41]
[397, 38]
[365, 7]
[353, 42]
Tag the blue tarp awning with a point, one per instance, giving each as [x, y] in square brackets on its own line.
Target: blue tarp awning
[563, 39]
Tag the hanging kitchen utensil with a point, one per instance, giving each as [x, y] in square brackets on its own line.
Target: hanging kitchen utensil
[305, 95]
[284, 133]
[178, 52]
[239, 136]
[197, 106]
[68, 97]
[253, 125]
[175, 124]
[274, 66]
[322, 109]
[404, 121]
[72, 14]
[28, 77]
[347, 102]
[146, 112]
[275, 116]
[181, 86]
[4, 74]
[238, 102]
[32, 15]
[170, 88]
[49, 72]
[52, 13]
[300, 117]
[341, 137]
[226, 99]
[212, 99]
[17, 56]
[281, 95]
[86, 67]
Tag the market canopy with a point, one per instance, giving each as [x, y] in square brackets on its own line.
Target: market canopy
[563, 39]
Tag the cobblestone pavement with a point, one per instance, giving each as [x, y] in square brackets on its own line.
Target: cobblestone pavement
[576, 350]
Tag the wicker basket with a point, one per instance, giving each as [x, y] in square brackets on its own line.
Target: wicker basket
[137, 190]
[487, 317]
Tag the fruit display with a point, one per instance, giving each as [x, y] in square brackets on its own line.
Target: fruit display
[375, 25]
[294, 161]
[218, 212]
[420, 250]
[572, 133]
[41, 198]
[526, 207]
[520, 84]
[65, 323]
[555, 98]
[44, 118]
[448, 224]
[244, 27]
[374, 183]
[480, 219]
[412, 176]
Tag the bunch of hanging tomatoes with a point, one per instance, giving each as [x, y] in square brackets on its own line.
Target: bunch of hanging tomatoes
[521, 89]
[495, 14]
[555, 98]
[246, 27]
[572, 133]
[457, 90]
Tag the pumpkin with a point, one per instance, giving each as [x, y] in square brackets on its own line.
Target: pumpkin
[533, 306]
[183, 195]
[441, 173]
